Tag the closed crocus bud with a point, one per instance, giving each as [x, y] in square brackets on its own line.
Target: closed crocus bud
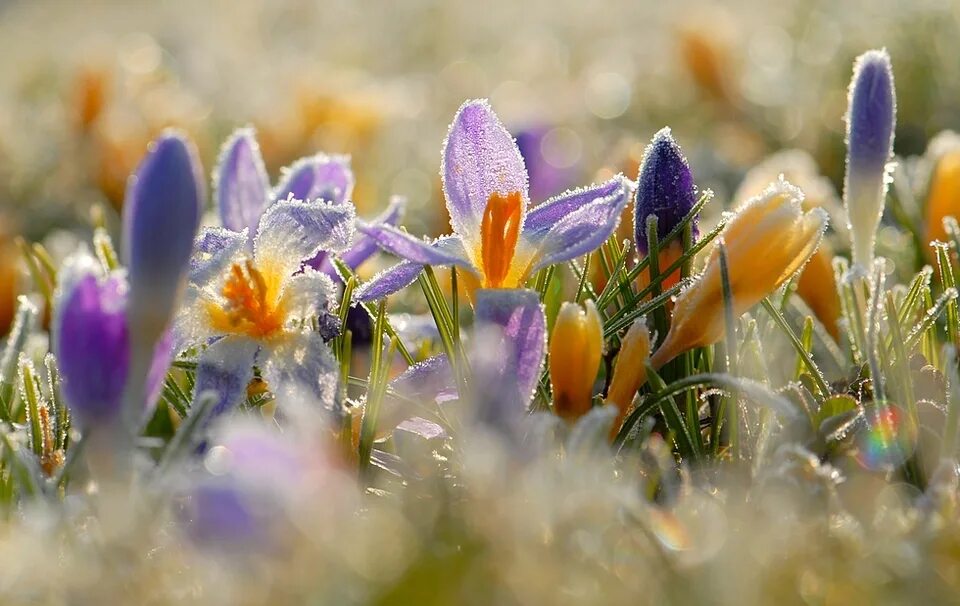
[665, 189]
[161, 215]
[630, 370]
[871, 117]
[768, 239]
[91, 341]
[943, 197]
[575, 350]
[817, 286]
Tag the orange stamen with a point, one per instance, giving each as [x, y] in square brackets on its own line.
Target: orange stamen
[247, 308]
[498, 237]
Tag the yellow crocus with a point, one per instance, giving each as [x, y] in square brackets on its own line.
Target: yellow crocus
[575, 349]
[767, 240]
[630, 370]
[943, 199]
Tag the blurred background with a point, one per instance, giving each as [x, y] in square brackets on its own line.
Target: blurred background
[85, 85]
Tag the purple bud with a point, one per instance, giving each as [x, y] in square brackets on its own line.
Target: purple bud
[241, 183]
[871, 118]
[665, 189]
[161, 216]
[91, 340]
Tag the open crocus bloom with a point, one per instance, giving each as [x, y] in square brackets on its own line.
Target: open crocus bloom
[242, 193]
[259, 307]
[767, 241]
[495, 238]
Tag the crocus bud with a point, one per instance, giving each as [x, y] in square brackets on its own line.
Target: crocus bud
[630, 369]
[161, 215]
[241, 183]
[766, 242]
[871, 117]
[665, 190]
[91, 341]
[817, 286]
[943, 197]
[575, 350]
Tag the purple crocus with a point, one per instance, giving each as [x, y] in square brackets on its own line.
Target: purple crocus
[255, 304]
[546, 179]
[871, 118]
[495, 239]
[242, 193]
[665, 189]
[91, 340]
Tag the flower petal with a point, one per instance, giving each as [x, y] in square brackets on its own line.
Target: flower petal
[544, 217]
[301, 370]
[321, 176]
[363, 245]
[308, 294]
[443, 251]
[291, 232]
[511, 338]
[225, 369]
[213, 251]
[581, 231]
[480, 158]
[241, 182]
[387, 282]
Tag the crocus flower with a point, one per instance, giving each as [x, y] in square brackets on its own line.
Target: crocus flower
[242, 193]
[943, 195]
[767, 241]
[576, 346]
[256, 306]
[817, 284]
[495, 239]
[871, 117]
[91, 341]
[546, 178]
[161, 215]
[665, 190]
[629, 370]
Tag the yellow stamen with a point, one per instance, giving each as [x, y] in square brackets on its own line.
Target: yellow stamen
[499, 232]
[251, 307]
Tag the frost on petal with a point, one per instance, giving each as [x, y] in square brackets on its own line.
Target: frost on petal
[321, 177]
[542, 218]
[214, 250]
[665, 189]
[425, 379]
[241, 182]
[480, 158]
[291, 232]
[363, 246]
[444, 251]
[581, 231]
[508, 354]
[301, 371]
[225, 369]
[387, 282]
[308, 294]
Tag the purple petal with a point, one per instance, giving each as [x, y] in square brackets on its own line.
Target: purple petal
[220, 513]
[665, 189]
[162, 357]
[214, 250]
[241, 182]
[510, 344]
[92, 345]
[291, 232]
[321, 176]
[582, 231]
[541, 219]
[420, 427]
[425, 379]
[302, 371]
[225, 369]
[364, 246]
[161, 215]
[387, 282]
[480, 159]
[444, 251]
